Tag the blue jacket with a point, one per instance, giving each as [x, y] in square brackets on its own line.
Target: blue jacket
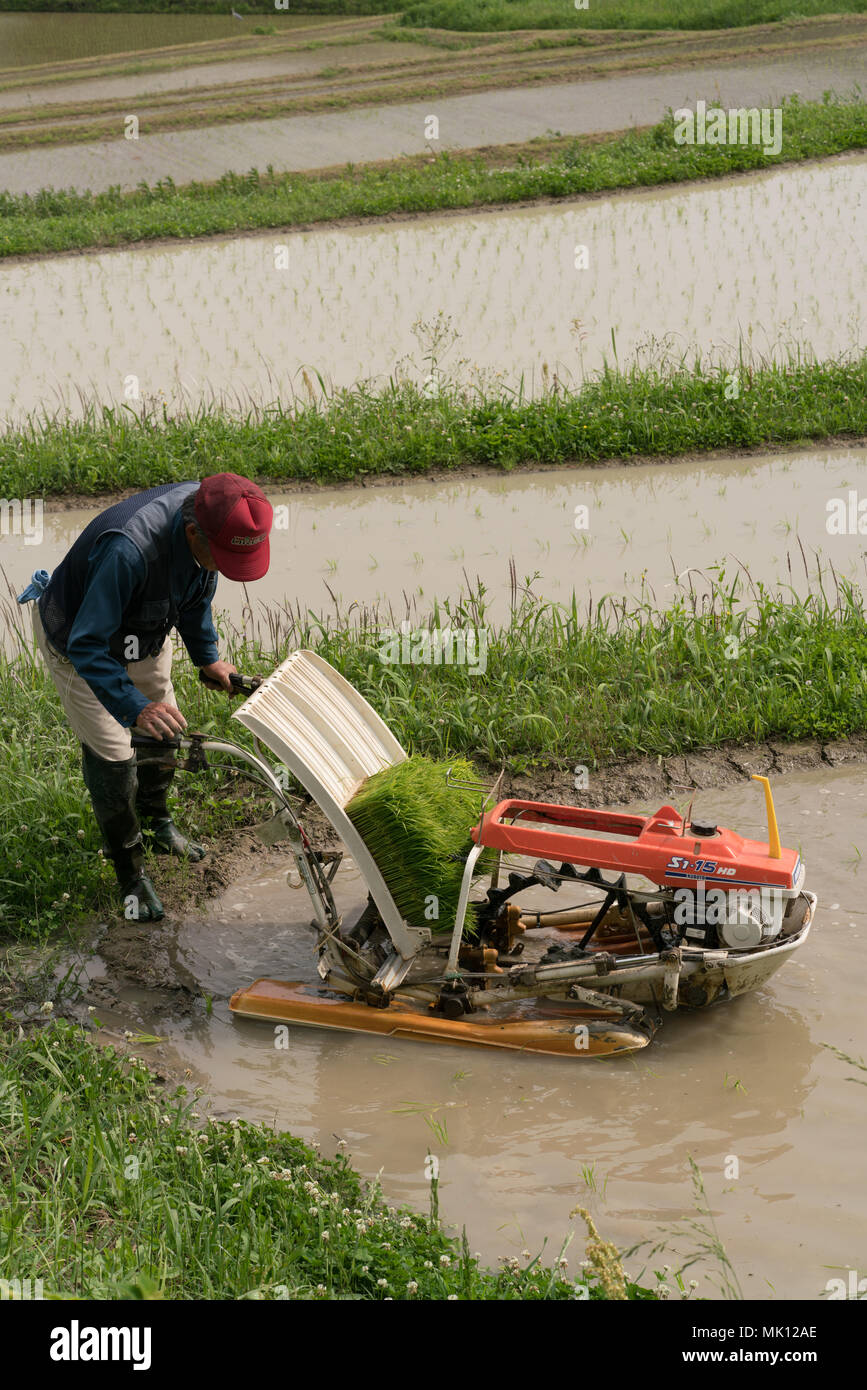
[117, 593]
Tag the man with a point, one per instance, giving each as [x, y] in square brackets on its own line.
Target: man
[140, 568]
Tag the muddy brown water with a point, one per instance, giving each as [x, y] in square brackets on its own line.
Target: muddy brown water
[386, 132]
[423, 538]
[525, 1138]
[671, 272]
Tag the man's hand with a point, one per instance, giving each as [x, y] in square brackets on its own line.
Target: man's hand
[218, 674]
[160, 720]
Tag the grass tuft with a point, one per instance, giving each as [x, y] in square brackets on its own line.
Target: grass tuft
[113, 1187]
[69, 219]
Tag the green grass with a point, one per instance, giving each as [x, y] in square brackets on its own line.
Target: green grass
[55, 220]
[414, 822]
[496, 14]
[491, 15]
[734, 664]
[111, 1187]
[400, 431]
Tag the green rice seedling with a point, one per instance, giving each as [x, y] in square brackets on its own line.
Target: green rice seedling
[65, 220]
[417, 826]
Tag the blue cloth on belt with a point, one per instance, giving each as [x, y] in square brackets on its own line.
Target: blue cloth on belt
[38, 584]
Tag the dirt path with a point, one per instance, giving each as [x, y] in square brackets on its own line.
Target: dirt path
[375, 132]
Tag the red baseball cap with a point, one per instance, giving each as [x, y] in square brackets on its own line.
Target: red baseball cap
[236, 518]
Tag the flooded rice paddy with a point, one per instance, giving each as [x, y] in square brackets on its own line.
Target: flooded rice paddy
[294, 63]
[522, 1139]
[366, 133]
[770, 264]
[421, 539]
[29, 39]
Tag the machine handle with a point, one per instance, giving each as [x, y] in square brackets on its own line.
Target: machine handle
[243, 685]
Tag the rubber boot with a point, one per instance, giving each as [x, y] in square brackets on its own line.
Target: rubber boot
[152, 804]
[112, 788]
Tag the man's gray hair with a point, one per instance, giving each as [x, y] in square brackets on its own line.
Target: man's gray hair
[188, 512]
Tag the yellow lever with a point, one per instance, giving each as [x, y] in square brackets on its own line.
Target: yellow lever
[774, 850]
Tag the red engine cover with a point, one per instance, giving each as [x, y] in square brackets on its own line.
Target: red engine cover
[659, 846]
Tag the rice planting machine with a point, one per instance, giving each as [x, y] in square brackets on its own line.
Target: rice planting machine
[670, 911]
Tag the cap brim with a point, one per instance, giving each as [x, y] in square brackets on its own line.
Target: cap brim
[241, 567]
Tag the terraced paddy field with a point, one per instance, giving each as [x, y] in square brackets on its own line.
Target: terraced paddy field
[609, 415]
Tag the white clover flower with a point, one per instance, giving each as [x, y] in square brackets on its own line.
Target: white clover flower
[406, 1223]
[365, 1269]
[47, 1007]
[412, 1287]
[382, 1283]
[181, 1149]
[452, 1298]
[91, 1008]
[445, 1260]
[314, 1211]
[428, 1264]
[326, 1236]
[236, 1185]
